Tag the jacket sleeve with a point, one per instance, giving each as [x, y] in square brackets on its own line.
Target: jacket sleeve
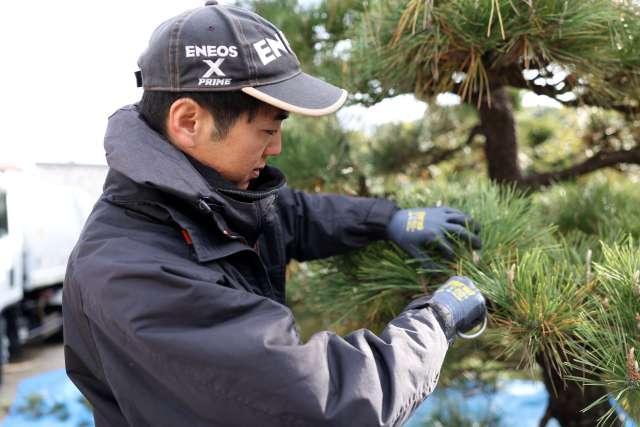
[322, 225]
[178, 349]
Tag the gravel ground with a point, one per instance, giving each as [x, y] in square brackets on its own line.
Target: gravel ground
[37, 359]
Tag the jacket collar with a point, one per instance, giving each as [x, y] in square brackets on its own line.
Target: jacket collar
[269, 181]
[145, 157]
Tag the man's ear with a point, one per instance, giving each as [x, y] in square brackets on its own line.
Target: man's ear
[186, 122]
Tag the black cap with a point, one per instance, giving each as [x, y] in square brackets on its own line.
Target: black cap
[222, 48]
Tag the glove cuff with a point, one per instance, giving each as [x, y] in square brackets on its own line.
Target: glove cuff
[379, 217]
[444, 316]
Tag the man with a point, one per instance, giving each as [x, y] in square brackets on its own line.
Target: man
[174, 299]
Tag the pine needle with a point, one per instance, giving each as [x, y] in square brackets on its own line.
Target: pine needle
[495, 6]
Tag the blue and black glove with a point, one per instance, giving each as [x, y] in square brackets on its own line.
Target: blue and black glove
[416, 229]
[458, 305]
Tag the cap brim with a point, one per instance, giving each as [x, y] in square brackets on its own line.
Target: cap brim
[302, 94]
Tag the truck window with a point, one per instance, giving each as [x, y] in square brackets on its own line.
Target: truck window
[3, 214]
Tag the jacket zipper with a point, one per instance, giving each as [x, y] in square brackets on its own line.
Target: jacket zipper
[204, 206]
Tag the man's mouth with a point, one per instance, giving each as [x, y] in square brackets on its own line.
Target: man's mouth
[256, 172]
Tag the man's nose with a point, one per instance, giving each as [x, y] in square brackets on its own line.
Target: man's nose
[275, 146]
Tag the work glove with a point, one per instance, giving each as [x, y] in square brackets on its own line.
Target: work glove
[458, 305]
[416, 229]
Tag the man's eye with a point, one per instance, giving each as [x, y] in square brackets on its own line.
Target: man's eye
[271, 132]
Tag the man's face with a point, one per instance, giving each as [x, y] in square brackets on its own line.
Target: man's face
[243, 152]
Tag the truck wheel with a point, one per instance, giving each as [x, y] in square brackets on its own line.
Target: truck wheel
[11, 332]
[57, 338]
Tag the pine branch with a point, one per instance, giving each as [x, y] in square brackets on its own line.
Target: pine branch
[513, 77]
[436, 156]
[600, 160]
[626, 109]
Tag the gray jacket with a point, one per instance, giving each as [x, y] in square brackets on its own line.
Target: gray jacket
[174, 308]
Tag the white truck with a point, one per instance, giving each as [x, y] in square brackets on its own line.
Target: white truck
[39, 225]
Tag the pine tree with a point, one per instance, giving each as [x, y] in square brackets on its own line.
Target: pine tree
[577, 52]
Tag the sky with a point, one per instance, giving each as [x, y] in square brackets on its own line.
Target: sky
[68, 65]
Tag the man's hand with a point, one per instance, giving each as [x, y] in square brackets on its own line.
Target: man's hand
[460, 301]
[458, 305]
[414, 229]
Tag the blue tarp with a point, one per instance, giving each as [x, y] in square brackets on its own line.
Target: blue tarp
[52, 400]
[512, 403]
[48, 400]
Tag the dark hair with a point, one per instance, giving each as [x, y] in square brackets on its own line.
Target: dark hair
[225, 107]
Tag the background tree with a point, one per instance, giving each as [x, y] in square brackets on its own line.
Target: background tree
[576, 52]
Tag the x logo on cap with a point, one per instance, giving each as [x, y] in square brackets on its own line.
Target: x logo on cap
[214, 67]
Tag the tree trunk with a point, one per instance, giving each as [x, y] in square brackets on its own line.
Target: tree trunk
[501, 146]
[566, 400]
